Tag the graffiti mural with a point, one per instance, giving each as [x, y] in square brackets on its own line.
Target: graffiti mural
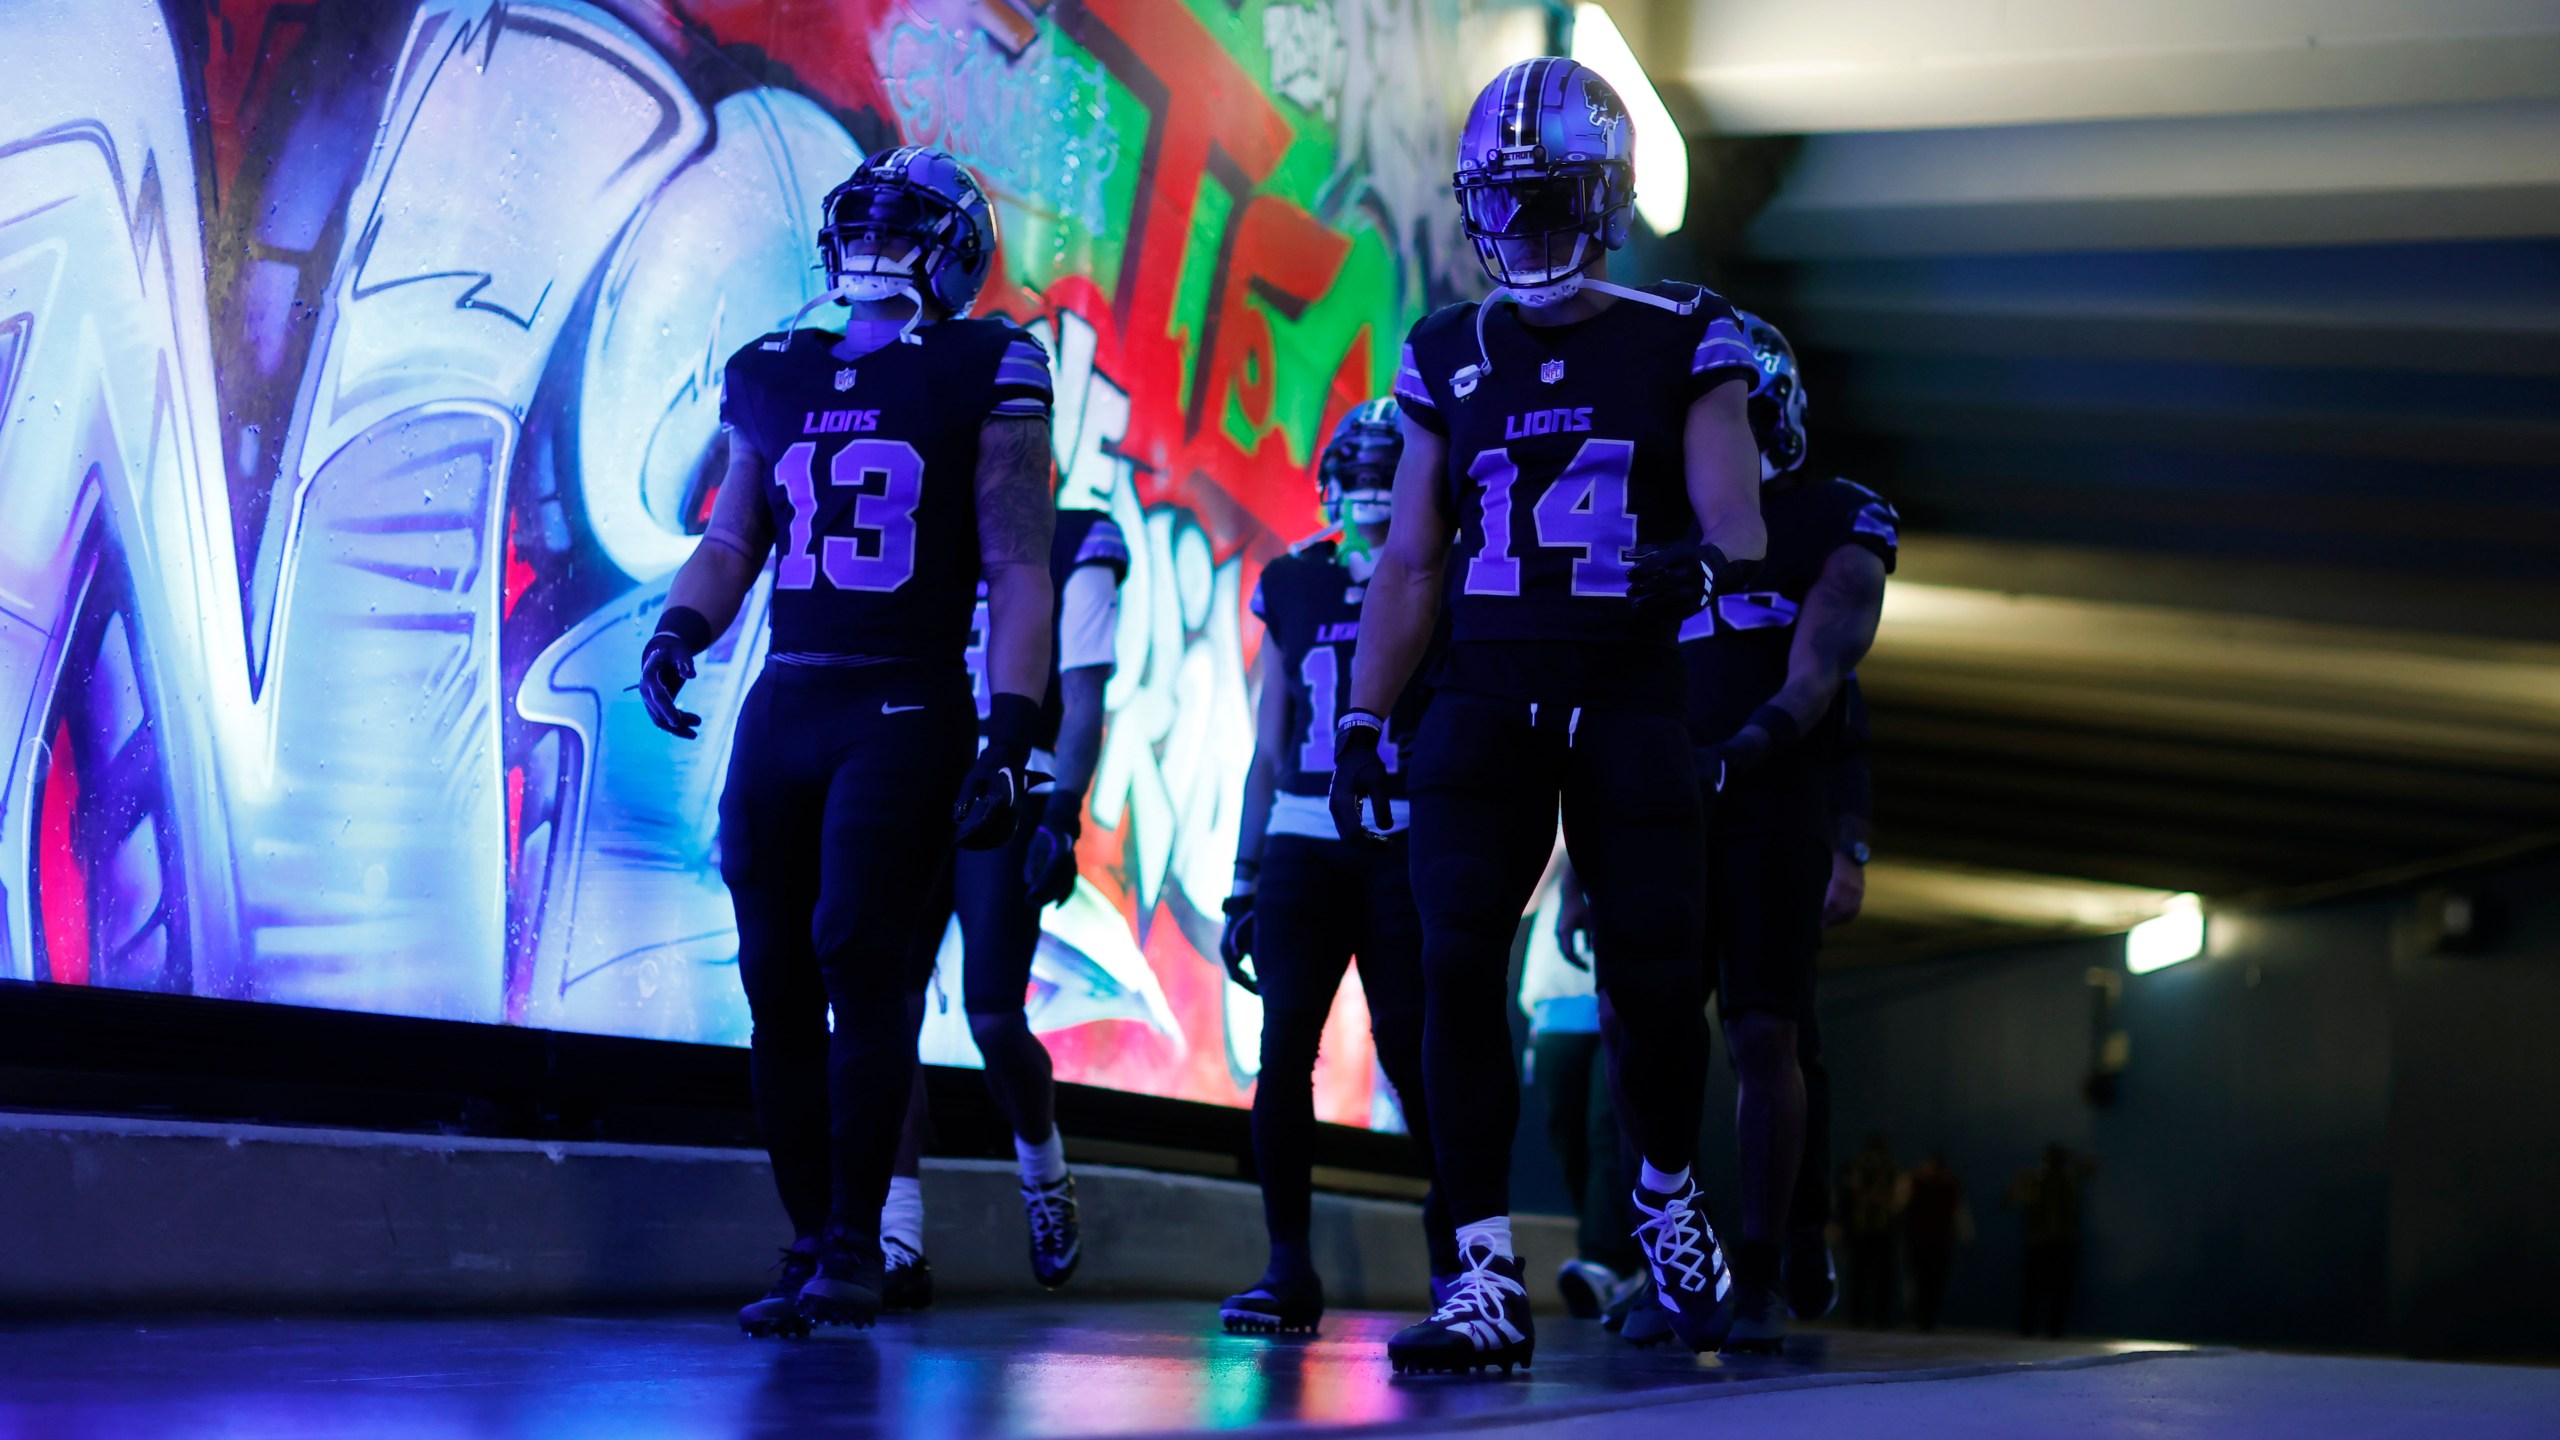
[359, 372]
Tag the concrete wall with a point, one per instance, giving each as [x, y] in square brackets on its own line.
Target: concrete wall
[2323, 1136]
[116, 1214]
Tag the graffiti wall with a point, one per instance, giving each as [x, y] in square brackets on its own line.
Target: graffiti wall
[359, 366]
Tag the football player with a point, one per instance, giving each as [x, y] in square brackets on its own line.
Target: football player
[1578, 469]
[1766, 668]
[998, 895]
[883, 470]
[1305, 902]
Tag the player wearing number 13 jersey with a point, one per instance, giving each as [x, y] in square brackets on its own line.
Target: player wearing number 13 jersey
[1578, 466]
[883, 470]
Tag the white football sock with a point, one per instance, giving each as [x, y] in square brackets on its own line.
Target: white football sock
[1661, 1183]
[902, 1218]
[1493, 1234]
[1044, 1163]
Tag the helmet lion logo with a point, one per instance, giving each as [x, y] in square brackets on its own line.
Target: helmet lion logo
[1606, 111]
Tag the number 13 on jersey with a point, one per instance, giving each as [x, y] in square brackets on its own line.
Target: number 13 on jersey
[889, 478]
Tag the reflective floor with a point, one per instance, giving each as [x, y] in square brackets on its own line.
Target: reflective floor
[1060, 1368]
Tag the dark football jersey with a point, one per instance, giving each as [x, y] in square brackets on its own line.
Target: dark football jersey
[1084, 537]
[1735, 650]
[1567, 456]
[1310, 604]
[872, 479]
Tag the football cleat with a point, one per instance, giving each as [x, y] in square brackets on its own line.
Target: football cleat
[1759, 1322]
[846, 1288]
[1057, 1242]
[1586, 1286]
[1812, 1278]
[1485, 1321]
[1690, 1280]
[1275, 1307]
[906, 1282]
[1646, 1324]
[778, 1313]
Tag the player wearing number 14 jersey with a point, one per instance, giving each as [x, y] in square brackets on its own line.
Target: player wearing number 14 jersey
[1578, 466]
[884, 470]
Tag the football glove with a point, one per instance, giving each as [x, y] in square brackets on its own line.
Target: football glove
[999, 784]
[1049, 871]
[1359, 776]
[667, 662]
[1770, 732]
[1235, 942]
[1667, 583]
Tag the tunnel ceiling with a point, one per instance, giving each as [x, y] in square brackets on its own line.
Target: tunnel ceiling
[2213, 358]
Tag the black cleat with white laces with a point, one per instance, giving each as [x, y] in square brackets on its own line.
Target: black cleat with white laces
[1690, 1281]
[778, 1313]
[846, 1288]
[1056, 1238]
[906, 1280]
[1484, 1321]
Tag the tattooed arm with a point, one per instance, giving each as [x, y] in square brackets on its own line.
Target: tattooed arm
[723, 567]
[1833, 631]
[1016, 515]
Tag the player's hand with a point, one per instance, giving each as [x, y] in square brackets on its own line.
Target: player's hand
[1667, 583]
[1235, 942]
[664, 667]
[1847, 893]
[1573, 922]
[1049, 871]
[1359, 777]
[999, 784]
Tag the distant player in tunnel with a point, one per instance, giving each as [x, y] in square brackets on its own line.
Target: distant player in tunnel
[885, 470]
[1305, 901]
[998, 895]
[1578, 468]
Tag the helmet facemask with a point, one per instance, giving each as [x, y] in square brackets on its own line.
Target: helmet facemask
[1537, 227]
[879, 239]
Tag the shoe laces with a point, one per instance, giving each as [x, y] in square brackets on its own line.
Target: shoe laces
[1051, 1210]
[1477, 1291]
[897, 1254]
[1675, 1239]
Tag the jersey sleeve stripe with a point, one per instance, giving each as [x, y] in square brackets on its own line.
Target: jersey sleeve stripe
[1725, 347]
[1032, 407]
[1414, 397]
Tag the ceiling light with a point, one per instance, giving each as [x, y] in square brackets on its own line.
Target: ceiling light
[2175, 934]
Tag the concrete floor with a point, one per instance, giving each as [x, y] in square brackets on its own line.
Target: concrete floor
[1067, 1368]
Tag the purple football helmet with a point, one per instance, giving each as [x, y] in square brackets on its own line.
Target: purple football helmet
[1546, 173]
[1357, 470]
[909, 217]
[1777, 398]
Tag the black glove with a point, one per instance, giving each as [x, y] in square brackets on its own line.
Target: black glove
[997, 787]
[1359, 775]
[1049, 871]
[1667, 583]
[1573, 922]
[1770, 732]
[667, 662]
[1235, 942]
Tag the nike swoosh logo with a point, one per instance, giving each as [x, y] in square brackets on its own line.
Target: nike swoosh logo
[887, 709]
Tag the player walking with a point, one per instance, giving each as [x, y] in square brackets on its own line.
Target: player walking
[1578, 467]
[998, 895]
[1305, 901]
[884, 470]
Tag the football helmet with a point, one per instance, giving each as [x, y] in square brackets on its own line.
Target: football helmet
[908, 220]
[1546, 176]
[1777, 398]
[1356, 471]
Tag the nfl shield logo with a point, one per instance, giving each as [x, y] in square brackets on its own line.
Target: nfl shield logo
[844, 379]
[1552, 372]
